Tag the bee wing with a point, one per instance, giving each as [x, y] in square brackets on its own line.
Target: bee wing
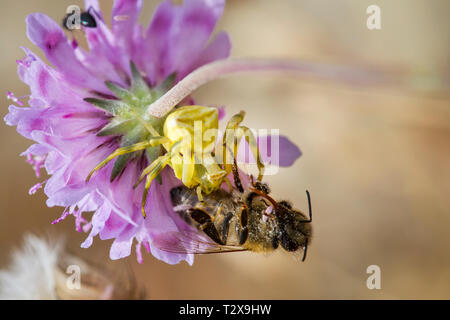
[191, 242]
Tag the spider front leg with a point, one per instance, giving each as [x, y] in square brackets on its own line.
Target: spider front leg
[154, 169]
[152, 142]
[233, 136]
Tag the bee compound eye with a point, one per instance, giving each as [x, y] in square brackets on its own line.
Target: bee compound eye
[285, 204]
[263, 187]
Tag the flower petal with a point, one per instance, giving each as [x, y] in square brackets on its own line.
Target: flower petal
[274, 150]
[177, 36]
[197, 21]
[219, 48]
[124, 21]
[105, 57]
[48, 35]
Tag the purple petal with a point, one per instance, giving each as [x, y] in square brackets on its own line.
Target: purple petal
[219, 48]
[156, 45]
[106, 58]
[162, 219]
[178, 35]
[197, 21]
[48, 35]
[92, 4]
[274, 150]
[120, 249]
[98, 222]
[125, 16]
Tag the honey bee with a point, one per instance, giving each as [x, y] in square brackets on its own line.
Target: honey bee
[240, 220]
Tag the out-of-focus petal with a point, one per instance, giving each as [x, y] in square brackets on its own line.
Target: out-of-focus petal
[274, 150]
[156, 46]
[197, 21]
[105, 57]
[124, 21]
[218, 49]
[48, 35]
[178, 35]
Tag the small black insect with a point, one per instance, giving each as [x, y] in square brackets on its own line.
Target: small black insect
[86, 19]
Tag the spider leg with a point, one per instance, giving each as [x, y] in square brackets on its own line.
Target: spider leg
[234, 139]
[152, 171]
[252, 142]
[119, 152]
[229, 138]
[199, 193]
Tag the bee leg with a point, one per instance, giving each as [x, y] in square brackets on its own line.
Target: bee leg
[234, 170]
[206, 224]
[226, 226]
[152, 171]
[237, 179]
[242, 230]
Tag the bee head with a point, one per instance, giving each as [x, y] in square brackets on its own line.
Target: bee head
[295, 229]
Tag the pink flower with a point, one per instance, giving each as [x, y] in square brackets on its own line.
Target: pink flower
[65, 127]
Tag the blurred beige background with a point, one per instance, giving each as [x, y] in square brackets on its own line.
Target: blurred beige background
[375, 159]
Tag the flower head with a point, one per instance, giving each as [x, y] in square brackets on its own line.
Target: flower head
[90, 103]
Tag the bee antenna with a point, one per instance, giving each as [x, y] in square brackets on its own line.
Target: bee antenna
[305, 249]
[309, 206]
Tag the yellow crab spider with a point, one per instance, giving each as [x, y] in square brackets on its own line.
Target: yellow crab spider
[189, 140]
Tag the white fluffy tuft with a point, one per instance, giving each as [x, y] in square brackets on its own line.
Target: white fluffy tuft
[31, 274]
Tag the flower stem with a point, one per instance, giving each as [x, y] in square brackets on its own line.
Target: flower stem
[218, 69]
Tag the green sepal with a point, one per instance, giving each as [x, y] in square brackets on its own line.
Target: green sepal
[117, 127]
[138, 84]
[112, 106]
[119, 165]
[122, 160]
[120, 92]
